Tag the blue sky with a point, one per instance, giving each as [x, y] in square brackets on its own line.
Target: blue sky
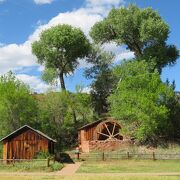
[21, 22]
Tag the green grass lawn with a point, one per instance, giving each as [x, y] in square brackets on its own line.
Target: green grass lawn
[93, 177]
[130, 166]
[34, 166]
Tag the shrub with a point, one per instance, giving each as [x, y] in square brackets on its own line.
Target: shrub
[42, 155]
[56, 166]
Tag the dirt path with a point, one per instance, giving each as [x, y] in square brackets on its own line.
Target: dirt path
[70, 169]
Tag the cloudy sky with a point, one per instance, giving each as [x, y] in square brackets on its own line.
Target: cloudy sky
[21, 22]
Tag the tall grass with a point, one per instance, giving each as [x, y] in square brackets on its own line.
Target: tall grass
[31, 166]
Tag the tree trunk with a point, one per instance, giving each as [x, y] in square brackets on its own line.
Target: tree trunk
[74, 116]
[61, 78]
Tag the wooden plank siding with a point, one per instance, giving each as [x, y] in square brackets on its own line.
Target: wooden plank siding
[5, 143]
[89, 133]
[25, 145]
[99, 130]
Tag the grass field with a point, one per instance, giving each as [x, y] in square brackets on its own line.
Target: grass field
[134, 149]
[34, 166]
[94, 177]
[130, 166]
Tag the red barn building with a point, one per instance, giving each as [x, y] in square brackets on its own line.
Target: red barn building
[25, 142]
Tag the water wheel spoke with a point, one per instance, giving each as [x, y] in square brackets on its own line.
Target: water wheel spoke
[107, 129]
[103, 134]
[113, 129]
[116, 134]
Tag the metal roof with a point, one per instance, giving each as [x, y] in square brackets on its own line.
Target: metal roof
[28, 127]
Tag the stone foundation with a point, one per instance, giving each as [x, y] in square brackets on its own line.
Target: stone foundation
[108, 145]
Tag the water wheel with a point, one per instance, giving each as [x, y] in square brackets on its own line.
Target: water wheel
[108, 130]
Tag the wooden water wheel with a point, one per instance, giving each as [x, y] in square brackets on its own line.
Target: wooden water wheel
[108, 130]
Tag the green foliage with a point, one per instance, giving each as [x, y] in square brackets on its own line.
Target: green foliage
[174, 116]
[1, 151]
[49, 75]
[31, 166]
[140, 101]
[57, 114]
[59, 49]
[61, 113]
[17, 106]
[103, 80]
[143, 31]
[42, 155]
[56, 166]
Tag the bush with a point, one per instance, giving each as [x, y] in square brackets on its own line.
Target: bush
[42, 155]
[56, 166]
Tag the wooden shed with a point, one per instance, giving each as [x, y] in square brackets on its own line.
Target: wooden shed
[100, 135]
[25, 142]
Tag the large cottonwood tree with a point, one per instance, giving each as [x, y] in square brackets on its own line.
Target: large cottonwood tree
[143, 31]
[59, 49]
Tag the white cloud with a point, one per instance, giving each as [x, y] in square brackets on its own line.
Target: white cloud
[43, 1]
[41, 68]
[124, 55]
[77, 18]
[86, 90]
[13, 57]
[16, 57]
[36, 84]
[36, 1]
[120, 52]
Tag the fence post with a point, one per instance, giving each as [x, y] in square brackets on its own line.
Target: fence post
[128, 155]
[48, 162]
[154, 157]
[103, 156]
[13, 161]
[54, 159]
[78, 155]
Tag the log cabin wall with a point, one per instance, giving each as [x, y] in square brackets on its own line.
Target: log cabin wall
[25, 145]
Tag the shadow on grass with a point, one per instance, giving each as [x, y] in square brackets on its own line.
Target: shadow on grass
[64, 158]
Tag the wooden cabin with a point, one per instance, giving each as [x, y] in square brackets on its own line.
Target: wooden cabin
[100, 135]
[25, 143]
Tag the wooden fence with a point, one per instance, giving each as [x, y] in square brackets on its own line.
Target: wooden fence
[105, 156]
[30, 162]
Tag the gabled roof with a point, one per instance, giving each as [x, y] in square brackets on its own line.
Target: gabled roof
[97, 122]
[90, 124]
[25, 127]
